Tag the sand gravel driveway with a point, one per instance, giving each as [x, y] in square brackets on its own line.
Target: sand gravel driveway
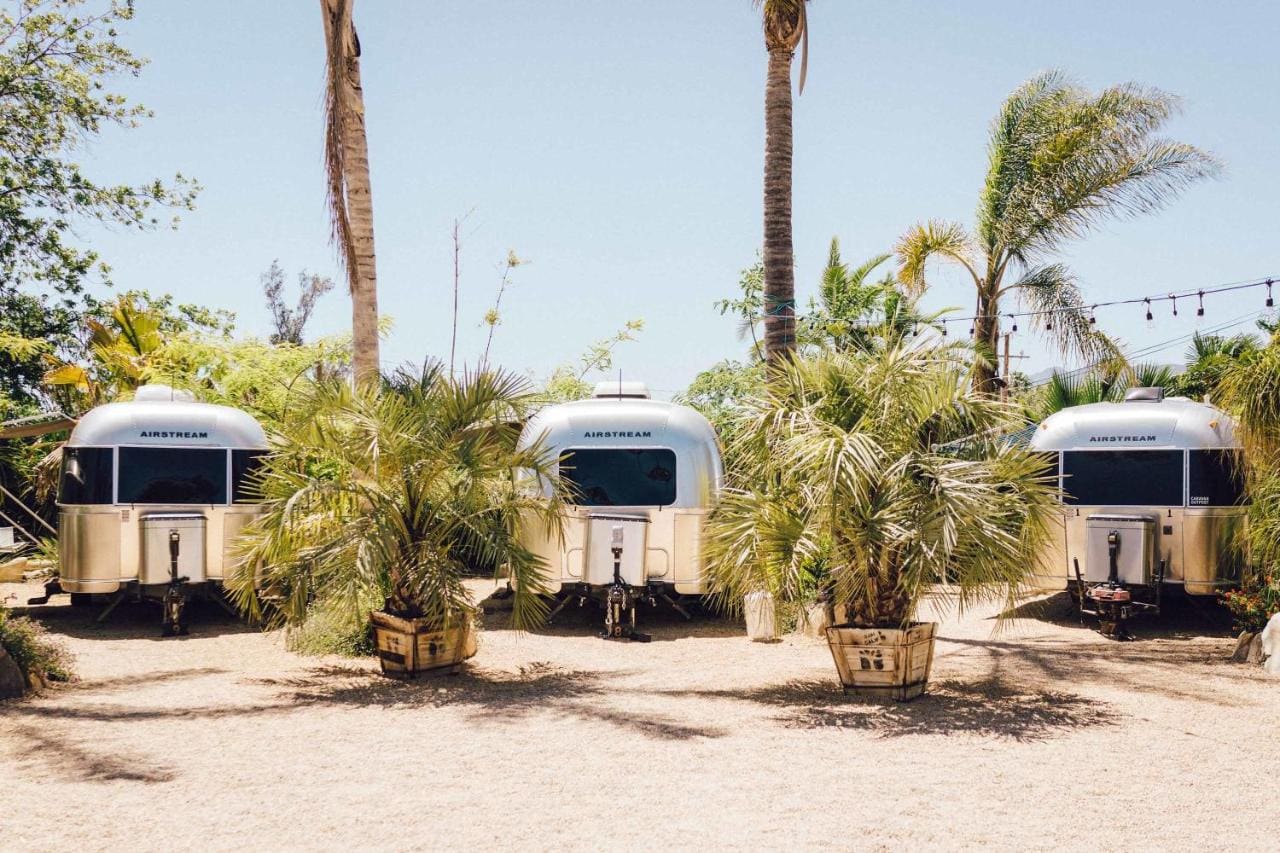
[1046, 737]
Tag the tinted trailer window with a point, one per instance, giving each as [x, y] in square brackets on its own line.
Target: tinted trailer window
[1122, 477]
[172, 475]
[86, 475]
[611, 477]
[1214, 478]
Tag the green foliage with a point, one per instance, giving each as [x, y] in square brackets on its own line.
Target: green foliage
[1208, 360]
[569, 381]
[394, 493]
[1061, 160]
[839, 481]
[56, 60]
[1107, 384]
[330, 630]
[1253, 605]
[253, 375]
[33, 649]
[721, 392]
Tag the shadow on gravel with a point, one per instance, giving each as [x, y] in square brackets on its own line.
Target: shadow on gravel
[133, 620]
[1181, 617]
[57, 754]
[989, 708]
[539, 687]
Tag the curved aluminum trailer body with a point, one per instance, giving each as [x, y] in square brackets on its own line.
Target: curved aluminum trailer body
[648, 467]
[132, 472]
[1162, 472]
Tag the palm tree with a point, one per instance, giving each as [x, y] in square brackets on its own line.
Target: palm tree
[1107, 384]
[1208, 360]
[785, 28]
[394, 493]
[1060, 160]
[853, 311]
[346, 154]
[842, 482]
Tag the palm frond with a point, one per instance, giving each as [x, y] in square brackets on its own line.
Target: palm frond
[922, 242]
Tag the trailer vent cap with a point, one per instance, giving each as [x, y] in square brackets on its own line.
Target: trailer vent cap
[617, 389]
[154, 393]
[1144, 395]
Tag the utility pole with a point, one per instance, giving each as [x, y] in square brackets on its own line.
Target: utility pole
[1004, 386]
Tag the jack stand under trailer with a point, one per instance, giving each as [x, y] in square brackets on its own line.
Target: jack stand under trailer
[175, 594]
[1112, 602]
[620, 606]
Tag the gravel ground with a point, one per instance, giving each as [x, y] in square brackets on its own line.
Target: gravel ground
[1042, 737]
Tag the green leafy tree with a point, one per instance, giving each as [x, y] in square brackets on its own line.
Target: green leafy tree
[1107, 384]
[56, 62]
[1208, 360]
[394, 493]
[1060, 161]
[840, 481]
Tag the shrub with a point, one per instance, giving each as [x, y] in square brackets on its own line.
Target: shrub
[33, 649]
[331, 631]
[1257, 600]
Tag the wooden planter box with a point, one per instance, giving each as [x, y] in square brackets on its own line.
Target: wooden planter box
[886, 662]
[407, 647]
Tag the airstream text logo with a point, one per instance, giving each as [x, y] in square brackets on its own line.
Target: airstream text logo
[1134, 439]
[172, 434]
[619, 434]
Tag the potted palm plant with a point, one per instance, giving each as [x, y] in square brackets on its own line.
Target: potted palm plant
[395, 492]
[866, 475]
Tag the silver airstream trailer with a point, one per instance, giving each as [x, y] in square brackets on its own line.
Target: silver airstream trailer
[1152, 496]
[645, 474]
[152, 495]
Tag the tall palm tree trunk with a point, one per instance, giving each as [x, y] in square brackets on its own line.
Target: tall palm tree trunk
[364, 282]
[986, 340]
[350, 191]
[779, 252]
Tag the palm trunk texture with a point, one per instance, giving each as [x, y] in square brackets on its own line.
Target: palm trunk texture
[779, 253]
[986, 337]
[364, 275]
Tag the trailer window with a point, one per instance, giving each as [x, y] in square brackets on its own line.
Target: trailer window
[1214, 478]
[620, 477]
[86, 475]
[1122, 477]
[245, 465]
[173, 475]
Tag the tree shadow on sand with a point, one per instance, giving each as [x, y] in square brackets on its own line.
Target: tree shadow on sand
[58, 754]
[539, 687]
[988, 708]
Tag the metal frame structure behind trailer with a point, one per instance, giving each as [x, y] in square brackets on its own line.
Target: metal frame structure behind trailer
[152, 496]
[645, 473]
[1152, 497]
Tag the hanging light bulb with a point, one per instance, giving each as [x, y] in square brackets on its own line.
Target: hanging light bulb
[1271, 303]
[944, 328]
[1175, 304]
[1200, 310]
[1150, 318]
[1014, 328]
[1048, 324]
[1093, 317]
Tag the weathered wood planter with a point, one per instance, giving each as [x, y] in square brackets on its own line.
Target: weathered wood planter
[886, 662]
[407, 647]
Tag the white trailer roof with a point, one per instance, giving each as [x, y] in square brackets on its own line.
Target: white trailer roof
[1174, 423]
[167, 423]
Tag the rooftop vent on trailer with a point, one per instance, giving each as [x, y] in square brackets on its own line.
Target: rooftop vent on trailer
[617, 389]
[1144, 395]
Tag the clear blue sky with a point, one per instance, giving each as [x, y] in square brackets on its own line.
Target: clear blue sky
[618, 146]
